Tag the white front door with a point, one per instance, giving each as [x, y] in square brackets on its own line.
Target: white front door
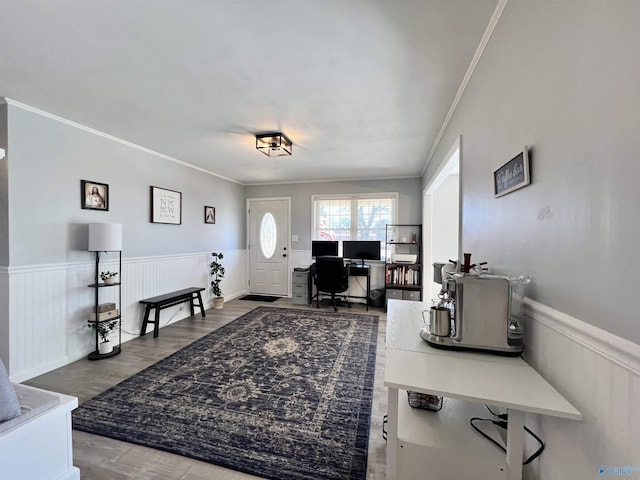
[268, 235]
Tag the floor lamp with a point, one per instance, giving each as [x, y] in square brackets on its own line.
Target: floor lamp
[105, 237]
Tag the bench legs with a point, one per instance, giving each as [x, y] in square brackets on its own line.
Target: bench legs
[158, 307]
[156, 326]
[147, 310]
[200, 304]
[155, 321]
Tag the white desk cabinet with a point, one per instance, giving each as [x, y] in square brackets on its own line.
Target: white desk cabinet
[442, 444]
[38, 445]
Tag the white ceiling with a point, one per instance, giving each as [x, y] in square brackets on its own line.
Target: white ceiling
[362, 87]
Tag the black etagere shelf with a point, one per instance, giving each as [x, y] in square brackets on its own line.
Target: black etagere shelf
[97, 287]
[403, 256]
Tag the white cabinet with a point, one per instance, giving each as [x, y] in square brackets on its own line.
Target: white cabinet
[442, 445]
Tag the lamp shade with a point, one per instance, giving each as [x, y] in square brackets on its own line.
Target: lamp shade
[105, 237]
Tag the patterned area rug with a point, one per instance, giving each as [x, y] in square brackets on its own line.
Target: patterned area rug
[278, 393]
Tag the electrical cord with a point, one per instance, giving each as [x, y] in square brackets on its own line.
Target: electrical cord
[484, 434]
[504, 423]
[162, 324]
[538, 452]
[503, 416]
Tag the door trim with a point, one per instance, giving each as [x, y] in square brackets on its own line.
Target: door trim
[248, 236]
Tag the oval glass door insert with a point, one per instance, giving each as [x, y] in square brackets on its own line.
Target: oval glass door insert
[268, 235]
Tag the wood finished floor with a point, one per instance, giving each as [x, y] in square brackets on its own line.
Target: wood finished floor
[101, 458]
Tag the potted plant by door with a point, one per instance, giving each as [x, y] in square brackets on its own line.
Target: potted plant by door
[104, 332]
[217, 274]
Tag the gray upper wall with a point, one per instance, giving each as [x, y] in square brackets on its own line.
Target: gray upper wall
[409, 200]
[48, 158]
[561, 77]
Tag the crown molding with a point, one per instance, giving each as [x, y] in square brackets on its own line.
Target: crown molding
[112, 138]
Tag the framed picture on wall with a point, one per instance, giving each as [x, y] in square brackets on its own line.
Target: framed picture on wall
[94, 195]
[512, 175]
[166, 206]
[209, 214]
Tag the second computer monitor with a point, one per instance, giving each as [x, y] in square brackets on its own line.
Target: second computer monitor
[361, 249]
[323, 248]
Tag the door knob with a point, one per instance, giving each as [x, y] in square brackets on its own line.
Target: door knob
[284, 254]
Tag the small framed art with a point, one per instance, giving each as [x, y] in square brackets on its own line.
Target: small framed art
[209, 214]
[166, 206]
[94, 195]
[512, 175]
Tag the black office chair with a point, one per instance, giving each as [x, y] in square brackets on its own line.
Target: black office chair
[330, 276]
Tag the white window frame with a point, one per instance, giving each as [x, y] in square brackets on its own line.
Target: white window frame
[352, 198]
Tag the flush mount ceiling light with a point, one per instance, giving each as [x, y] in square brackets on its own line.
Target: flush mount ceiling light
[275, 144]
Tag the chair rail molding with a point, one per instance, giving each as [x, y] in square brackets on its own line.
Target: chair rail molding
[614, 348]
[599, 373]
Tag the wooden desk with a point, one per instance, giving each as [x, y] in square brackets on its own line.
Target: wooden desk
[355, 270]
[442, 443]
[361, 270]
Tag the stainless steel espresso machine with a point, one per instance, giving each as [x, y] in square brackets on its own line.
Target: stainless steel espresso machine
[478, 311]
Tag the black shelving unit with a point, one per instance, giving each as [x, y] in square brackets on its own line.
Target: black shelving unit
[97, 287]
[403, 269]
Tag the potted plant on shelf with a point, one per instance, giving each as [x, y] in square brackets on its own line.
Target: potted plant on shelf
[109, 278]
[104, 332]
[217, 274]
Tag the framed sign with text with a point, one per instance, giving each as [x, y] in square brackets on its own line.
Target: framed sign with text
[166, 206]
[512, 175]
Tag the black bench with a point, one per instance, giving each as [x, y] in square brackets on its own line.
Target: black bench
[169, 300]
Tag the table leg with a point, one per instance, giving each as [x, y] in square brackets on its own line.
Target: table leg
[392, 433]
[368, 287]
[515, 444]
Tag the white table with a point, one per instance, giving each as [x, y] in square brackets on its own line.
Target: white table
[442, 445]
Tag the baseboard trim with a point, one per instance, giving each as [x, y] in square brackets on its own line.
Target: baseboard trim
[616, 349]
[42, 369]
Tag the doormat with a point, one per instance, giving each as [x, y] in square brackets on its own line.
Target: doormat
[279, 393]
[259, 298]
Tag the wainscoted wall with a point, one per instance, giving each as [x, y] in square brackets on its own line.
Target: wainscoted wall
[599, 373]
[49, 304]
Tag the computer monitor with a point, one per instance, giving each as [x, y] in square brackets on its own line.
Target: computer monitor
[361, 249]
[323, 248]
